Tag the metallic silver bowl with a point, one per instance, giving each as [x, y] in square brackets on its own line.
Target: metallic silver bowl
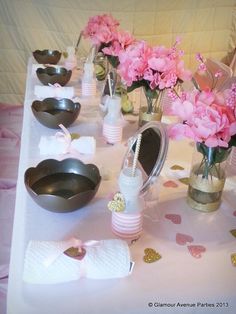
[62, 186]
[47, 56]
[51, 112]
[52, 75]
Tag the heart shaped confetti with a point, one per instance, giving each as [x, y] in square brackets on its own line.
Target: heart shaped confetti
[170, 184]
[182, 238]
[234, 213]
[233, 259]
[117, 204]
[176, 219]
[74, 136]
[74, 252]
[196, 250]
[184, 180]
[176, 167]
[151, 255]
[233, 232]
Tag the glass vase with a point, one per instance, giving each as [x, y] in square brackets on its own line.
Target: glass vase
[150, 106]
[207, 177]
[100, 66]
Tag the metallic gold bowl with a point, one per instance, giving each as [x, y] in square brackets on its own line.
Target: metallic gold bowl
[47, 56]
[62, 186]
[51, 112]
[52, 75]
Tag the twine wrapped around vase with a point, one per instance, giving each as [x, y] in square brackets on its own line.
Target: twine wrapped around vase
[150, 106]
[207, 178]
[204, 190]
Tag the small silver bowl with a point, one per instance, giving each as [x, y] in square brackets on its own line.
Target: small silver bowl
[62, 186]
[47, 56]
[52, 75]
[51, 112]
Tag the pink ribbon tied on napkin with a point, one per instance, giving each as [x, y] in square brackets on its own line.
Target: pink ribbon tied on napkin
[56, 87]
[64, 137]
[58, 248]
[77, 243]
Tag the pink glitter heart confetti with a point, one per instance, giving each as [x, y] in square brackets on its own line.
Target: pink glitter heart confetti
[170, 184]
[176, 219]
[182, 238]
[196, 250]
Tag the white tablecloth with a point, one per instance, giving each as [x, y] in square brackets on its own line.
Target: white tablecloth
[177, 283]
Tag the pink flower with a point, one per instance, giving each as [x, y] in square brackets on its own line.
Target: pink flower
[157, 68]
[121, 40]
[205, 120]
[100, 29]
[182, 109]
[134, 62]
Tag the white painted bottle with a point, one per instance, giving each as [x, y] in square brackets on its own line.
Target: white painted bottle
[129, 223]
[112, 123]
[88, 80]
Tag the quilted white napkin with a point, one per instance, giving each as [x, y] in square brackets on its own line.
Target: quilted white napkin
[56, 91]
[62, 143]
[46, 263]
[52, 145]
[84, 145]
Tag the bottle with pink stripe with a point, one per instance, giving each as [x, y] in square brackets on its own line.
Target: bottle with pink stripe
[112, 123]
[128, 224]
[88, 81]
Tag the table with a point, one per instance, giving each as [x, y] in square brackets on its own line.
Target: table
[177, 283]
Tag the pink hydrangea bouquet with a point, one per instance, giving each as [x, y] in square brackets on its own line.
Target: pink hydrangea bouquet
[101, 29]
[121, 41]
[154, 68]
[209, 119]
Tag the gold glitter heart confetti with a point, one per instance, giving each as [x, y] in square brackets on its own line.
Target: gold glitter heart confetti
[65, 54]
[74, 136]
[233, 259]
[233, 232]
[184, 180]
[176, 167]
[117, 204]
[75, 252]
[151, 255]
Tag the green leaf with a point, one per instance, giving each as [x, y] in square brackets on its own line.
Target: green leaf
[213, 155]
[221, 154]
[133, 86]
[232, 141]
[151, 93]
[114, 61]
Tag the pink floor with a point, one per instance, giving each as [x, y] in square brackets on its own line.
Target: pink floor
[10, 132]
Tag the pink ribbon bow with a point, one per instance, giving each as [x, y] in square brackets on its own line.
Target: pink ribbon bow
[64, 137]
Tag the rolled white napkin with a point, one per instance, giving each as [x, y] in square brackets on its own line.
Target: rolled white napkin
[54, 91]
[84, 145]
[61, 143]
[46, 263]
